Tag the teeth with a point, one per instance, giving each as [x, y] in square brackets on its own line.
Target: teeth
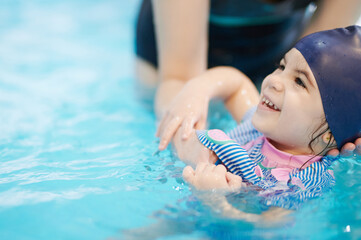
[269, 103]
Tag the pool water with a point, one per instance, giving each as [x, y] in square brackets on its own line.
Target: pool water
[78, 154]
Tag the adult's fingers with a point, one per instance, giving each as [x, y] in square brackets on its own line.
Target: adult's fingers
[358, 146]
[201, 124]
[168, 132]
[233, 180]
[347, 149]
[187, 127]
[201, 167]
[212, 157]
[333, 152]
[188, 174]
[162, 124]
[220, 169]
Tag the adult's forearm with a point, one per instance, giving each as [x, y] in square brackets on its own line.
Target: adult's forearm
[182, 37]
[182, 40]
[333, 14]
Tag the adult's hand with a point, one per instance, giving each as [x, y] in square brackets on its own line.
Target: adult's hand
[349, 149]
[187, 111]
[189, 108]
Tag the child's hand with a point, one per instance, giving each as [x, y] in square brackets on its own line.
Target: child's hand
[348, 149]
[209, 176]
[186, 112]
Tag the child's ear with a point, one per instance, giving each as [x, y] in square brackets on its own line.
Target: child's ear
[327, 138]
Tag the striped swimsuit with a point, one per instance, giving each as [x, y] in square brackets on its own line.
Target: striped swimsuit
[247, 153]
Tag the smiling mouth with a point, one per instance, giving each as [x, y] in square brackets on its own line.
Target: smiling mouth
[269, 104]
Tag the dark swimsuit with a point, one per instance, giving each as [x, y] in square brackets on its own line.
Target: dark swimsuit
[249, 35]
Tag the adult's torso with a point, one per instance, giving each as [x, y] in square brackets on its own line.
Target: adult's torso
[252, 35]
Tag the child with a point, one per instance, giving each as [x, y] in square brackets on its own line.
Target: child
[304, 110]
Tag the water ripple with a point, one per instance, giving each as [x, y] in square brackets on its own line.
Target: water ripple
[16, 197]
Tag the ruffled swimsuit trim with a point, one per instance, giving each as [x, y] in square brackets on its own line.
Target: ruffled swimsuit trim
[247, 163]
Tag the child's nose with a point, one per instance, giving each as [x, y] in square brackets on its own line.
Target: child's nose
[275, 82]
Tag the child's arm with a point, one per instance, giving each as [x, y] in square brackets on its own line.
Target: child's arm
[189, 108]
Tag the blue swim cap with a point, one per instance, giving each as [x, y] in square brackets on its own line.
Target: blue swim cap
[334, 57]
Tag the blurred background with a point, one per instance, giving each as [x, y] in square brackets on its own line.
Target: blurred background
[78, 154]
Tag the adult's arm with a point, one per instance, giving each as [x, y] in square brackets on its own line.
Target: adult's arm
[182, 42]
[333, 14]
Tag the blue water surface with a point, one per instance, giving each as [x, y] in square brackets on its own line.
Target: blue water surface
[78, 154]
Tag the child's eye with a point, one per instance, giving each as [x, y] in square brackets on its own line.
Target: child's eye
[281, 66]
[300, 82]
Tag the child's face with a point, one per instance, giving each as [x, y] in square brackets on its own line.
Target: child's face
[290, 109]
